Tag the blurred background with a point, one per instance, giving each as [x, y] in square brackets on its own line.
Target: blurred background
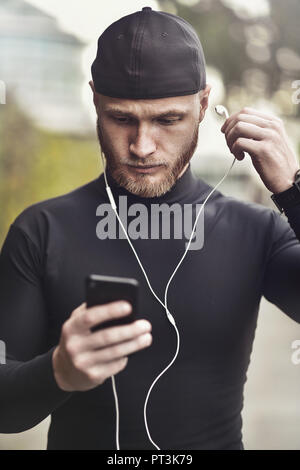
[48, 143]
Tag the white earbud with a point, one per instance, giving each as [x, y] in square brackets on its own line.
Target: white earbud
[221, 111]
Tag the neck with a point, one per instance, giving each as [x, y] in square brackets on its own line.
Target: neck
[184, 170]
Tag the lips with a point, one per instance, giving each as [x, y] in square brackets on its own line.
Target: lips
[145, 169]
[145, 166]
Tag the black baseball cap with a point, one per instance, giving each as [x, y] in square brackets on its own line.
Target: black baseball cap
[149, 54]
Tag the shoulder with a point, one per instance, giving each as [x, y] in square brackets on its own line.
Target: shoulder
[240, 208]
[34, 219]
[233, 209]
[253, 218]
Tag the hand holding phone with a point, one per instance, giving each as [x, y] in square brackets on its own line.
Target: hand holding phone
[86, 354]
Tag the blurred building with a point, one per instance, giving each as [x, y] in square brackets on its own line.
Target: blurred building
[41, 65]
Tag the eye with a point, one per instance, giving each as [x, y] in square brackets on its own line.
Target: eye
[168, 122]
[122, 120]
[127, 120]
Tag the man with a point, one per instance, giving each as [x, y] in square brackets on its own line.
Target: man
[150, 95]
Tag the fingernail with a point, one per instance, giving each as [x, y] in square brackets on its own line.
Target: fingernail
[144, 325]
[147, 339]
[126, 307]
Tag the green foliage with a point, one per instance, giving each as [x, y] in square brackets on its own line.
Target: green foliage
[37, 165]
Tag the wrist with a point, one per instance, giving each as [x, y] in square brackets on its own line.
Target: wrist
[289, 197]
[59, 370]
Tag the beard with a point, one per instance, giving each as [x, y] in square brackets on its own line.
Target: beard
[141, 185]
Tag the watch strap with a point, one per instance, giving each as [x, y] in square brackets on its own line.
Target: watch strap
[290, 197]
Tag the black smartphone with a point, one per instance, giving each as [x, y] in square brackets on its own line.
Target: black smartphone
[104, 289]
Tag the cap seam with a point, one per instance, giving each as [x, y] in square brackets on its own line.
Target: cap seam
[139, 55]
[133, 49]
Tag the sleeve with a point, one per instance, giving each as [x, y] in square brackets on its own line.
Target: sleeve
[281, 284]
[28, 390]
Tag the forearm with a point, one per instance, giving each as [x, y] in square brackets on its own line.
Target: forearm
[28, 393]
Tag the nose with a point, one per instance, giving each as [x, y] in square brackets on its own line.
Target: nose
[143, 144]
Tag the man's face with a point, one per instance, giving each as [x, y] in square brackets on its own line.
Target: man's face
[149, 143]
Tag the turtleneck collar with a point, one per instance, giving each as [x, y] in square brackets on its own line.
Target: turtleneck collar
[181, 191]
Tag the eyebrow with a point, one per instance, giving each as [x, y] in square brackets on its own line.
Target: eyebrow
[168, 113]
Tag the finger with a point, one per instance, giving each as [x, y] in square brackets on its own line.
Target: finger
[262, 114]
[77, 311]
[117, 351]
[251, 119]
[246, 145]
[244, 129]
[250, 112]
[92, 316]
[116, 334]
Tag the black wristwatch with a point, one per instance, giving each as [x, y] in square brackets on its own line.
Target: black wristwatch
[290, 197]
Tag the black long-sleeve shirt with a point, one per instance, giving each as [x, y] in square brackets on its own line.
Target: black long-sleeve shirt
[249, 251]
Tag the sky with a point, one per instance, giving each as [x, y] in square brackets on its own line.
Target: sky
[88, 18]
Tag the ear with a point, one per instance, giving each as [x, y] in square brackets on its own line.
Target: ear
[203, 97]
[95, 96]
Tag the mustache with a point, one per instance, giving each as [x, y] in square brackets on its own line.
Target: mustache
[147, 165]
